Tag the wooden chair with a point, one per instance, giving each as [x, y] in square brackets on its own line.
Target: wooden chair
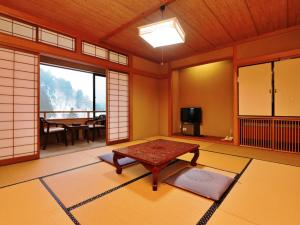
[48, 128]
[96, 123]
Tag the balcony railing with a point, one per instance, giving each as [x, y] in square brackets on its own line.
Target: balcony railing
[70, 114]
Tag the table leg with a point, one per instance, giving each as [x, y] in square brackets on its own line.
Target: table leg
[155, 172]
[195, 158]
[117, 165]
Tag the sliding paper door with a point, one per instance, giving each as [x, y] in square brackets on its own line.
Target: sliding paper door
[287, 87]
[18, 105]
[255, 90]
[117, 107]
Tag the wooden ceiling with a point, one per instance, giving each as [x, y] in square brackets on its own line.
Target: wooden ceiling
[207, 23]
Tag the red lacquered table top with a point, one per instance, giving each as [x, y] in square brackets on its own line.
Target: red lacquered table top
[157, 152]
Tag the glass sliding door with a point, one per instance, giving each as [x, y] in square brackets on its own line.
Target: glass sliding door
[99, 94]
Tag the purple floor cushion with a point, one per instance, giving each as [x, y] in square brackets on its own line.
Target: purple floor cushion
[202, 182]
[123, 162]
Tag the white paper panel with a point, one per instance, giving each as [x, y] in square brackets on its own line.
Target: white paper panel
[23, 141]
[24, 75]
[255, 85]
[6, 116]
[24, 108]
[88, 48]
[5, 99]
[6, 73]
[6, 90]
[24, 116]
[123, 118]
[113, 136]
[5, 25]
[6, 55]
[24, 124]
[24, 67]
[123, 59]
[123, 129]
[113, 125]
[23, 30]
[6, 152]
[27, 59]
[101, 53]
[6, 64]
[123, 135]
[287, 85]
[24, 83]
[64, 41]
[113, 56]
[47, 36]
[23, 100]
[6, 125]
[4, 134]
[24, 133]
[6, 108]
[24, 91]
[24, 149]
[6, 81]
[4, 143]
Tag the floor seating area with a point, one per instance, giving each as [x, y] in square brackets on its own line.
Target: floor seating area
[82, 189]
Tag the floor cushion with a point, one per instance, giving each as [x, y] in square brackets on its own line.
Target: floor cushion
[123, 162]
[202, 182]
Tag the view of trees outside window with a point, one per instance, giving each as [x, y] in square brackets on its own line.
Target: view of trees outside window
[69, 90]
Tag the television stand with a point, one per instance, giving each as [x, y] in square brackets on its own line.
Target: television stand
[191, 129]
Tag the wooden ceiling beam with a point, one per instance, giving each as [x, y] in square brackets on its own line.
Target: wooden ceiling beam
[136, 19]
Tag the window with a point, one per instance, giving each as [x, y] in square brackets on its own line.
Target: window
[67, 91]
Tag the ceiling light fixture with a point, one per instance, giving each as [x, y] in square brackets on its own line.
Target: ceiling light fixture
[162, 33]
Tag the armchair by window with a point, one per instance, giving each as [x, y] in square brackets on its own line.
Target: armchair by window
[48, 128]
[96, 123]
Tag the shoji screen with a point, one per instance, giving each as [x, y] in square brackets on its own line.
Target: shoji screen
[118, 106]
[255, 90]
[287, 87]
[18, 104]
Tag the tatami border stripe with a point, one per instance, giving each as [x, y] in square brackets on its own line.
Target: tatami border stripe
[107, 192]
[209, 213]
[75, 221]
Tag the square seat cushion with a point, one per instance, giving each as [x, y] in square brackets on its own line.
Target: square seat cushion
[202, 182]
[123, 162]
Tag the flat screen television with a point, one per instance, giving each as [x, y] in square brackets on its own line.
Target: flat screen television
[191, 115]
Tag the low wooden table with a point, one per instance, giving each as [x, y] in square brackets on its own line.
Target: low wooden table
[155, 155]
[73, 129]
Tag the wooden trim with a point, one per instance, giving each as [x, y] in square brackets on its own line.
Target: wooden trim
[5, 162]
[117, 142]
[107, 108]
[236, 131]
[236, 43]
[269, 57]
[170, 102]
[130, 87]
[148, 74]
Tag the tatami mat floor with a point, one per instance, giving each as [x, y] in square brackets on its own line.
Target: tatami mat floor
[78, 186]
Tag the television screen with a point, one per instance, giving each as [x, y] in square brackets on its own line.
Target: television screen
[191, 115]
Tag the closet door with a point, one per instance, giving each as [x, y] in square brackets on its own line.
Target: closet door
[287, 87]
[255, 90]
[118, 107]
[19, 99]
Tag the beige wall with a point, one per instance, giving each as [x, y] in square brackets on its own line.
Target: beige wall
[145, 107]
[210, 87]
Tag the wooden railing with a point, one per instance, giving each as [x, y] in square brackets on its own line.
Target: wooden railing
[70, 114]
[278, 133]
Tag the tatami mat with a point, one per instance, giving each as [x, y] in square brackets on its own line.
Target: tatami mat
[42, 167]
[256, 153]
[30, 203]
[222, 218]
[267, 194]
[78, 185]
[220, 161]
[137, 204]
